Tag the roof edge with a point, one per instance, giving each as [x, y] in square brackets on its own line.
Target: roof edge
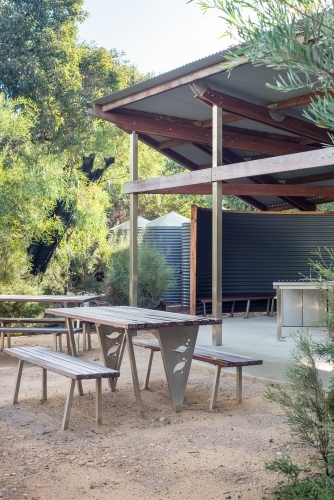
[176, 78]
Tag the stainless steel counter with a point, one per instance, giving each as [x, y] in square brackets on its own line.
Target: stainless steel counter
[298, 305]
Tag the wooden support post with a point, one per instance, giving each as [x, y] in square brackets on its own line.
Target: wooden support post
[215, 386]
[239, 384]
[98, 401]
[148, 370]
[44, 384]
[217, 220]
[18, 381]
[68, 405]
[133, 221]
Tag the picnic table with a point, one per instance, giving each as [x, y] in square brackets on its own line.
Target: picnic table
[115, 327]
[65, 300]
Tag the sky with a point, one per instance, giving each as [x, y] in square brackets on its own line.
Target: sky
[156, 35]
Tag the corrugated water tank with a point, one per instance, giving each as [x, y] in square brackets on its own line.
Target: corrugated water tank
[125, 227]
[185, 264]
[165, 233]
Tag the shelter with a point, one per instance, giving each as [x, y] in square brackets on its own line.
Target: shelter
[236, 135]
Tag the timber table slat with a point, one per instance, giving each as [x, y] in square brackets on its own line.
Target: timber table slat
[115, 327]
[47, 299]
[123, 317]
[60, 299]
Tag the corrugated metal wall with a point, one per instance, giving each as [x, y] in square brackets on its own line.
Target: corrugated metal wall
[168, 241]
[260, 248]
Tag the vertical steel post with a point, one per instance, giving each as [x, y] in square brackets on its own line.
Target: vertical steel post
[217, 223]
[133, 221]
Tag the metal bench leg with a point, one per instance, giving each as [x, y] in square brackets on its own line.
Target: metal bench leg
[69, 350]
[239, 384]
[60, 343]
[84, 338]
[2, 342]
[232, 309]
[98, 401]
[54, 342]
[70, 334]
[148, 370]
[9, 344]
[68, 405]
[272, 306]
[78, 340]
[204, 308]
[89, 338]
[134, 373]
[247, 309]
[18, 381]
[215, 388]
[44, 384]
[268, 307]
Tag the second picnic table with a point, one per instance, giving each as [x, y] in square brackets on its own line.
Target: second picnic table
[65, 300]
[115, 327]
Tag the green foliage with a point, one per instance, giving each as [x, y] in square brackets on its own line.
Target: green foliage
[303, 400]
[47, 81]
[154, 278]
[289, 35]
[324, 270]
[309, 488]
[284, 466]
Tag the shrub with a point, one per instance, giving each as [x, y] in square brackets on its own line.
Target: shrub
[154, 277]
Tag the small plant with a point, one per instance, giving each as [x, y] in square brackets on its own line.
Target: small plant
[154, 277]
[303, 401]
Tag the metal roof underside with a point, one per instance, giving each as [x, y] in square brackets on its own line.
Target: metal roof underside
[170, 97]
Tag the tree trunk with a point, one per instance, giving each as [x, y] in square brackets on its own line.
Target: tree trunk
[41, 252]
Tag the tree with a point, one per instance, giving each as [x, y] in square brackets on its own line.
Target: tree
[289, 35]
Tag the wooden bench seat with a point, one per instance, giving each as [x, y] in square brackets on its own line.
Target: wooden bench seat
[270, 297]
[56, 331]
[71, 367]
[215, 357]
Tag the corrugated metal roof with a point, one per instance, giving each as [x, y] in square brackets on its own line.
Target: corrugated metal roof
[245, 82]
[205, 62]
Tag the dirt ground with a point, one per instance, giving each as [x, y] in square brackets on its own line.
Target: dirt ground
[193, 454]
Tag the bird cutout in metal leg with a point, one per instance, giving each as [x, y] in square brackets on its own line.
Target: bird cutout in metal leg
[177, 364]
[112, 341]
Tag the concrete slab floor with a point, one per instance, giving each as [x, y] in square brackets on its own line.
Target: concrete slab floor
[255, 337]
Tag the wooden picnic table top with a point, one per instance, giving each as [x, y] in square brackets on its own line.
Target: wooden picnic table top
[78, 299]
[132, 318]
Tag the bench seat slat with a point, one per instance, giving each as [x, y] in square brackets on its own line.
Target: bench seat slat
[60, 363]
[71, 361]
[37, 329]
[208, 355]
[74, 365]
[32, 320]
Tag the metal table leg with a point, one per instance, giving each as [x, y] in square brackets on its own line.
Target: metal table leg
[177, 364]
[112, 342]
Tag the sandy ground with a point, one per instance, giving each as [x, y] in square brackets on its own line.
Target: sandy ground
[193, 454]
